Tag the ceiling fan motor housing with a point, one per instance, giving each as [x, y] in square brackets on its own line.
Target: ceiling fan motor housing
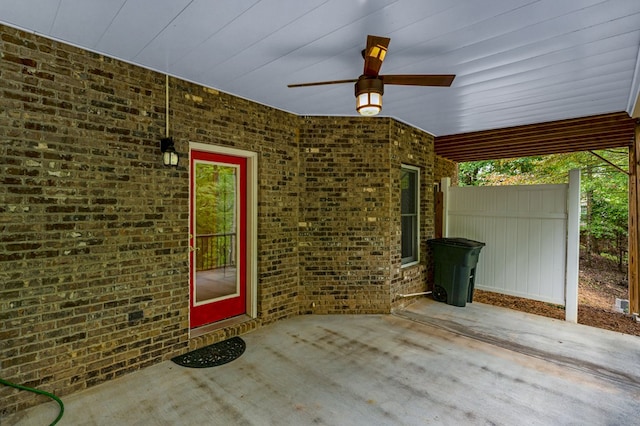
[367, 84]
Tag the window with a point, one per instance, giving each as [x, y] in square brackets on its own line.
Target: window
[410, 202]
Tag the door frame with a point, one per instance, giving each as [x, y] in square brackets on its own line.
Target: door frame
[251, 263]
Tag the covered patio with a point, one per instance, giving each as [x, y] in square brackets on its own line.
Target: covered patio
[97, 231]
[429, 364]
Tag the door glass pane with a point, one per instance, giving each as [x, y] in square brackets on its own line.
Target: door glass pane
[215, 232]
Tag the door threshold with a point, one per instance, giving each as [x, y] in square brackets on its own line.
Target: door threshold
[226, 323]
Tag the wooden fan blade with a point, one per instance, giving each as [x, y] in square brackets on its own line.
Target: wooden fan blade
[419, 79]
[320, 83]
[374, 54]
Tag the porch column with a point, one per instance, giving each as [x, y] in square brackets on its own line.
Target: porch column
[573, 247]
[634, 228]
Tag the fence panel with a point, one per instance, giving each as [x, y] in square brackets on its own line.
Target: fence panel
[524, 229]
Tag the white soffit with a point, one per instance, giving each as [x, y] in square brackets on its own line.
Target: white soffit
[517, 61]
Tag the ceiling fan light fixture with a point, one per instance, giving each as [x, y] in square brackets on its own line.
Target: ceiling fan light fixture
[369, 87]
[369, 103]
[369, 93]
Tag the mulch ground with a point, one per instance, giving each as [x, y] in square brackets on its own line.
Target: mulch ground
[587, 315]
[602, 280]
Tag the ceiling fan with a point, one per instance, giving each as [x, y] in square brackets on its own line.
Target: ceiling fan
[369, 87]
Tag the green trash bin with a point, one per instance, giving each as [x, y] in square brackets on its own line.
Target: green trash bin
[455, 261]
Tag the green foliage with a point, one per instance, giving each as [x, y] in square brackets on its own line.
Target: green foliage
[497, 172]
[215, 199]
[609, 210]
[215, 214]
[604, 189]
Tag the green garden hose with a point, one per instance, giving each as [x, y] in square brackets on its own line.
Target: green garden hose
[39, 392]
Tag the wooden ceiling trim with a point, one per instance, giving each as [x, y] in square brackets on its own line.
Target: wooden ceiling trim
[599, 120]
[606, 140]
[574, 132]
[547, 147]
[587, 142]
[578, 134]
[519, 152]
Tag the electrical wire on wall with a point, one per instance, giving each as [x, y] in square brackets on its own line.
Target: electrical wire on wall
[39, 392]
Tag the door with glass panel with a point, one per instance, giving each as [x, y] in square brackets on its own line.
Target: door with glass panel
[217, 237]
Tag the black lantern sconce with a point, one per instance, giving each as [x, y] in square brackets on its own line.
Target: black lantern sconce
[169, 155]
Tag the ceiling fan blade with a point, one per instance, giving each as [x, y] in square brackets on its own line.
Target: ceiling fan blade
[374, 54]
[320, 83]
[444, 80]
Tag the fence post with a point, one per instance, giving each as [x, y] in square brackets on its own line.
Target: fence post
[444, 187]
[634, 228]
[573, 247]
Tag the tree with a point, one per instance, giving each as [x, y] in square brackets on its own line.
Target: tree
[604, 190]
[215, 213]
[497, 172]
[215, 199]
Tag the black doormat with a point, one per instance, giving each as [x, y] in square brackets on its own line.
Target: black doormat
[212, 355]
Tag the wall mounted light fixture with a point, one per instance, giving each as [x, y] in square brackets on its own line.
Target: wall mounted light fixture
[169, 155]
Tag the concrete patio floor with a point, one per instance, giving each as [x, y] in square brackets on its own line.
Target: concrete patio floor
[432, 364]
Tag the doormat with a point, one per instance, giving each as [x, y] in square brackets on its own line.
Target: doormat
[212, 355]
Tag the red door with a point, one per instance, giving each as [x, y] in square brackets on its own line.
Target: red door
[217, 237]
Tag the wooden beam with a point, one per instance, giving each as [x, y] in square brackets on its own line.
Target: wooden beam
[507, 150]
[573, 135]
[634, 228]
[439, 215]
[636, 108]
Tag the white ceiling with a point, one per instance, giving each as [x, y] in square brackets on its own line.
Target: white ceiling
[517, 61]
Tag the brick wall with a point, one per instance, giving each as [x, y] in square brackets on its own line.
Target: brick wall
[413, 147]
[350, 259]
[445, 168]
[94, 241]
[345, 212]
[207, 116]
[93, 249]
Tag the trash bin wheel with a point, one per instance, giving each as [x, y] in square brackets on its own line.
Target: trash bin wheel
[439, 294]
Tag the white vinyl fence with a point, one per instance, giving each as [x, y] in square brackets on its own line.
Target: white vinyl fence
[531, 245]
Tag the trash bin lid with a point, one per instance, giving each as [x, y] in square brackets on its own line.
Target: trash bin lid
[456, 242]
